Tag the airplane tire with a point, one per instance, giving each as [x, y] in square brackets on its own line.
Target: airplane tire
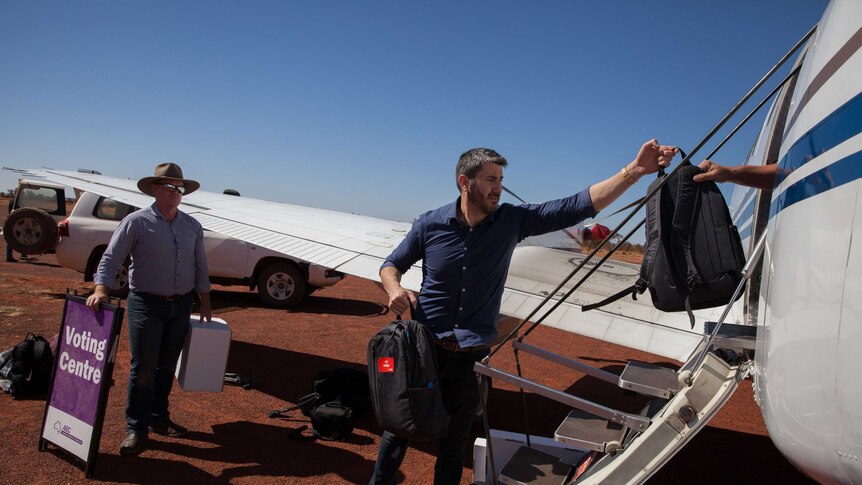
[281, 285]
[30, 231]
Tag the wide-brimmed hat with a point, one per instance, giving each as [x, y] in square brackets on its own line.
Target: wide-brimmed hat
[166, 172]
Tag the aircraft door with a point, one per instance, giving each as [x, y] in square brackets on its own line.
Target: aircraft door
[772, 137]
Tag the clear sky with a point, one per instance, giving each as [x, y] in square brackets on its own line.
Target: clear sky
[365, 106]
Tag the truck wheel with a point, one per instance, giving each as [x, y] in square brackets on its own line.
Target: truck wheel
[281, 285]
[30, 231]
[121, 283]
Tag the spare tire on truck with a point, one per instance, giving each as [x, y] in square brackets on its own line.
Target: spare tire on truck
[30, 231]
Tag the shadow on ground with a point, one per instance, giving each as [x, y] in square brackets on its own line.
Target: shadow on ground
[228, 301]
[237, 444]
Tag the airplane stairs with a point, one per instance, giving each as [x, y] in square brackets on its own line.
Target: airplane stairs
[623, 447]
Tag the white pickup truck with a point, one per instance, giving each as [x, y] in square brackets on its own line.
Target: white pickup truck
[281, 281]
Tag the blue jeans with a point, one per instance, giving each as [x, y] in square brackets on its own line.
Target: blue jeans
[460, 389]
[157, 333]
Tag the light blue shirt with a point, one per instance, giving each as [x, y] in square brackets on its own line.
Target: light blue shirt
[168, 258]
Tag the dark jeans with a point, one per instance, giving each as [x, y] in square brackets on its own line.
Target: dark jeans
[460, 389]
[157, 333]
[8, 252]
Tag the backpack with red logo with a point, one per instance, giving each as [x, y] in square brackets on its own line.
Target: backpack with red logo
[402, 374]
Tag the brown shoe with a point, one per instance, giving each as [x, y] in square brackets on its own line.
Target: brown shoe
[133, 444]
[168, 428]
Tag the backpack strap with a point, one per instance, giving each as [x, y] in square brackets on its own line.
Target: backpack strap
[653, 236]
[653, 230]
[304, 401]
[687, 206]
[633, 290]
[41, 353]
[688, 310]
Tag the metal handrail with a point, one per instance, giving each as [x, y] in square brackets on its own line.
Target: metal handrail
[746, 275]
[616, 230]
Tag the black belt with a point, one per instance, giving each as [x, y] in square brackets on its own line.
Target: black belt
[451, 344]
[161, 297]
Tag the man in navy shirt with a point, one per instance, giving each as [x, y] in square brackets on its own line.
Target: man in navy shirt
[465, 248]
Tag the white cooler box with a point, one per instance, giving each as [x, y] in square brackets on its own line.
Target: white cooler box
[204, 358]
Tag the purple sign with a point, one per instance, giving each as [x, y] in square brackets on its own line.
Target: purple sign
[82, 353]
[83, 364]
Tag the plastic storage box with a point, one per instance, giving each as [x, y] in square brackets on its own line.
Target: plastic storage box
[204, 358]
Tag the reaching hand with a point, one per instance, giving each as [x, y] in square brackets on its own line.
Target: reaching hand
[712, 171]
[652, 156]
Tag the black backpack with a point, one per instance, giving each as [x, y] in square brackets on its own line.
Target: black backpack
[27, 367]
[693, 257]
[402, 373]
[339, 397]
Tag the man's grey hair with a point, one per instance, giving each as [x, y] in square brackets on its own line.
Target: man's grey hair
[472, 160]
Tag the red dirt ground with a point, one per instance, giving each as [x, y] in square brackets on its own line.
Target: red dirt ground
[233, 440]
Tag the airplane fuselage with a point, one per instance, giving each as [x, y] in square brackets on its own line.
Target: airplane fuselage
[808, 306]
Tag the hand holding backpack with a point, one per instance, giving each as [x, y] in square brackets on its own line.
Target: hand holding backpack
[693, 256]
[402, 374]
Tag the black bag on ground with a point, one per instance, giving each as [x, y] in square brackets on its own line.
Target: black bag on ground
[27, 367]
[693, 256]
[339, 397]
[332, 421]
[345, 386]
[402, 373]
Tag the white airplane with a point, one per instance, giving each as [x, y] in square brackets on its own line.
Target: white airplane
[806, 309]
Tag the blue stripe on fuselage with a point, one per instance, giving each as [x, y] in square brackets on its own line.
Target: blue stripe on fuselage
[744, 215]
[843, 124]
[837, 174]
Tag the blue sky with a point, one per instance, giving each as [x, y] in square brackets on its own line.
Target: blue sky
[365, 106]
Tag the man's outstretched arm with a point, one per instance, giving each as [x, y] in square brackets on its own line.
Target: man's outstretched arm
[757, 176]
[650, 157]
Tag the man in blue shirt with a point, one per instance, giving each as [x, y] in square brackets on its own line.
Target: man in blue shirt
[465, 248]
[168, 265]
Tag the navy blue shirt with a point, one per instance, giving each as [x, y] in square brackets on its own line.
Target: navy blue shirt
[464, 269]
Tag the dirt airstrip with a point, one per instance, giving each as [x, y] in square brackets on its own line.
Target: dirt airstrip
[232, 440]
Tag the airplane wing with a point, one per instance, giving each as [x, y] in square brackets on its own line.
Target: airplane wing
[536, 271]
[358, 245]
